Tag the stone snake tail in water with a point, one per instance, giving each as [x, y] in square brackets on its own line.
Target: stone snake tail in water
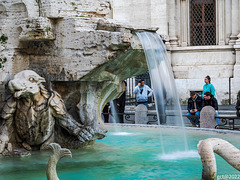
[58, 153]
[227, 151]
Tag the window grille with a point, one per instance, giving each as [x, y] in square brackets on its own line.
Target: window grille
[202, 22]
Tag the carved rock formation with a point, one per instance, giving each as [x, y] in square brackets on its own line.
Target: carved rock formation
[80, 53]
[34, 117]
[71, 42]
[207, 148]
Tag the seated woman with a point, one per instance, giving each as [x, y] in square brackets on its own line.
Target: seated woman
[194, 108]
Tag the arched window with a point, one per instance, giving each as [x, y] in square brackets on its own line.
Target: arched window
[202, 22]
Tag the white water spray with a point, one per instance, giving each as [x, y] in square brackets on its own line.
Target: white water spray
[179, 155]
[114, 115]
[163, 83]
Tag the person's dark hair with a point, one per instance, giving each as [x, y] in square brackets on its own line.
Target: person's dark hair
[208, 77]
[238, 94]
[207, 94]
[192, 93]
[141, 80]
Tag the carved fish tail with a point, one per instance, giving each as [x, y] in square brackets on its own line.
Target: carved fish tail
[60, 152]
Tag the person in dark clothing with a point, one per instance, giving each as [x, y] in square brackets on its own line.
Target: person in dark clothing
[121, 106]
[105, 113]
[194, 108]
[238, 107]
[210, 100]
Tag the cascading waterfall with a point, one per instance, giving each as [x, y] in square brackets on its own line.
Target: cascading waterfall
[164, 88]
[114, 114]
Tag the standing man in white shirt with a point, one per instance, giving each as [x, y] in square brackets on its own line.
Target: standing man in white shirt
[143, 92]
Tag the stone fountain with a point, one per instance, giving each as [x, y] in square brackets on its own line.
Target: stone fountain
[63, 61]
[78, 57]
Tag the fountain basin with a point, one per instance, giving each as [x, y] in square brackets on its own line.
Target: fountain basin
[128, 152]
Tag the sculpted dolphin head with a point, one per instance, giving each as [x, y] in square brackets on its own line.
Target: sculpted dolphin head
[26, 83]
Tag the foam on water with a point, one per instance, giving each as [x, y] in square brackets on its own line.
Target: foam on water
[179, 155]
[124, 134]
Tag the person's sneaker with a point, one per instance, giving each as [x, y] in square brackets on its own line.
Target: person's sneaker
[198, 125]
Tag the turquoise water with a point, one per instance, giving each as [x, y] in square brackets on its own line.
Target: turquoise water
[132, 153]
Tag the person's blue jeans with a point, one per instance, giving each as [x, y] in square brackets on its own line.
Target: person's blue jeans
[217, 119]
[196, 118]
[238, 113]
[144, 103]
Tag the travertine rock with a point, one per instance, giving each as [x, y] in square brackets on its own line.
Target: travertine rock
[36, 29]
[207, 117]
[68, 41]
[33, 118]
[141, 114]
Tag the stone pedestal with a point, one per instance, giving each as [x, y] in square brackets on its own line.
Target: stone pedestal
[207, 117]
[141, 114]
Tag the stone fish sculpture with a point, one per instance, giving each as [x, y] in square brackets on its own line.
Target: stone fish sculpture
[33, 118]
[207, 148]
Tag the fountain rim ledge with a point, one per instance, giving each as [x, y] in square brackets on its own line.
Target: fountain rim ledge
[223, 131]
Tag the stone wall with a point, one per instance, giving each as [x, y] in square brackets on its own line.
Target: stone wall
[192, 63]
[20, 21]
[74, 8]
[10, 12]
[142, 13]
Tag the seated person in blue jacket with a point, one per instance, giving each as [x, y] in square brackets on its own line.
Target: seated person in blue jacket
[143, 92]
[194, 108]
[210, 100]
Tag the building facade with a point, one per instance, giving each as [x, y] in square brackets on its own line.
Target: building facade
[202, 36]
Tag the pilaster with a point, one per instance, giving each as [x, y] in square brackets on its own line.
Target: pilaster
[228, 15]
[235, 17]
[172, 23]
[184, 21]
[236, 72]
[221, 22]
